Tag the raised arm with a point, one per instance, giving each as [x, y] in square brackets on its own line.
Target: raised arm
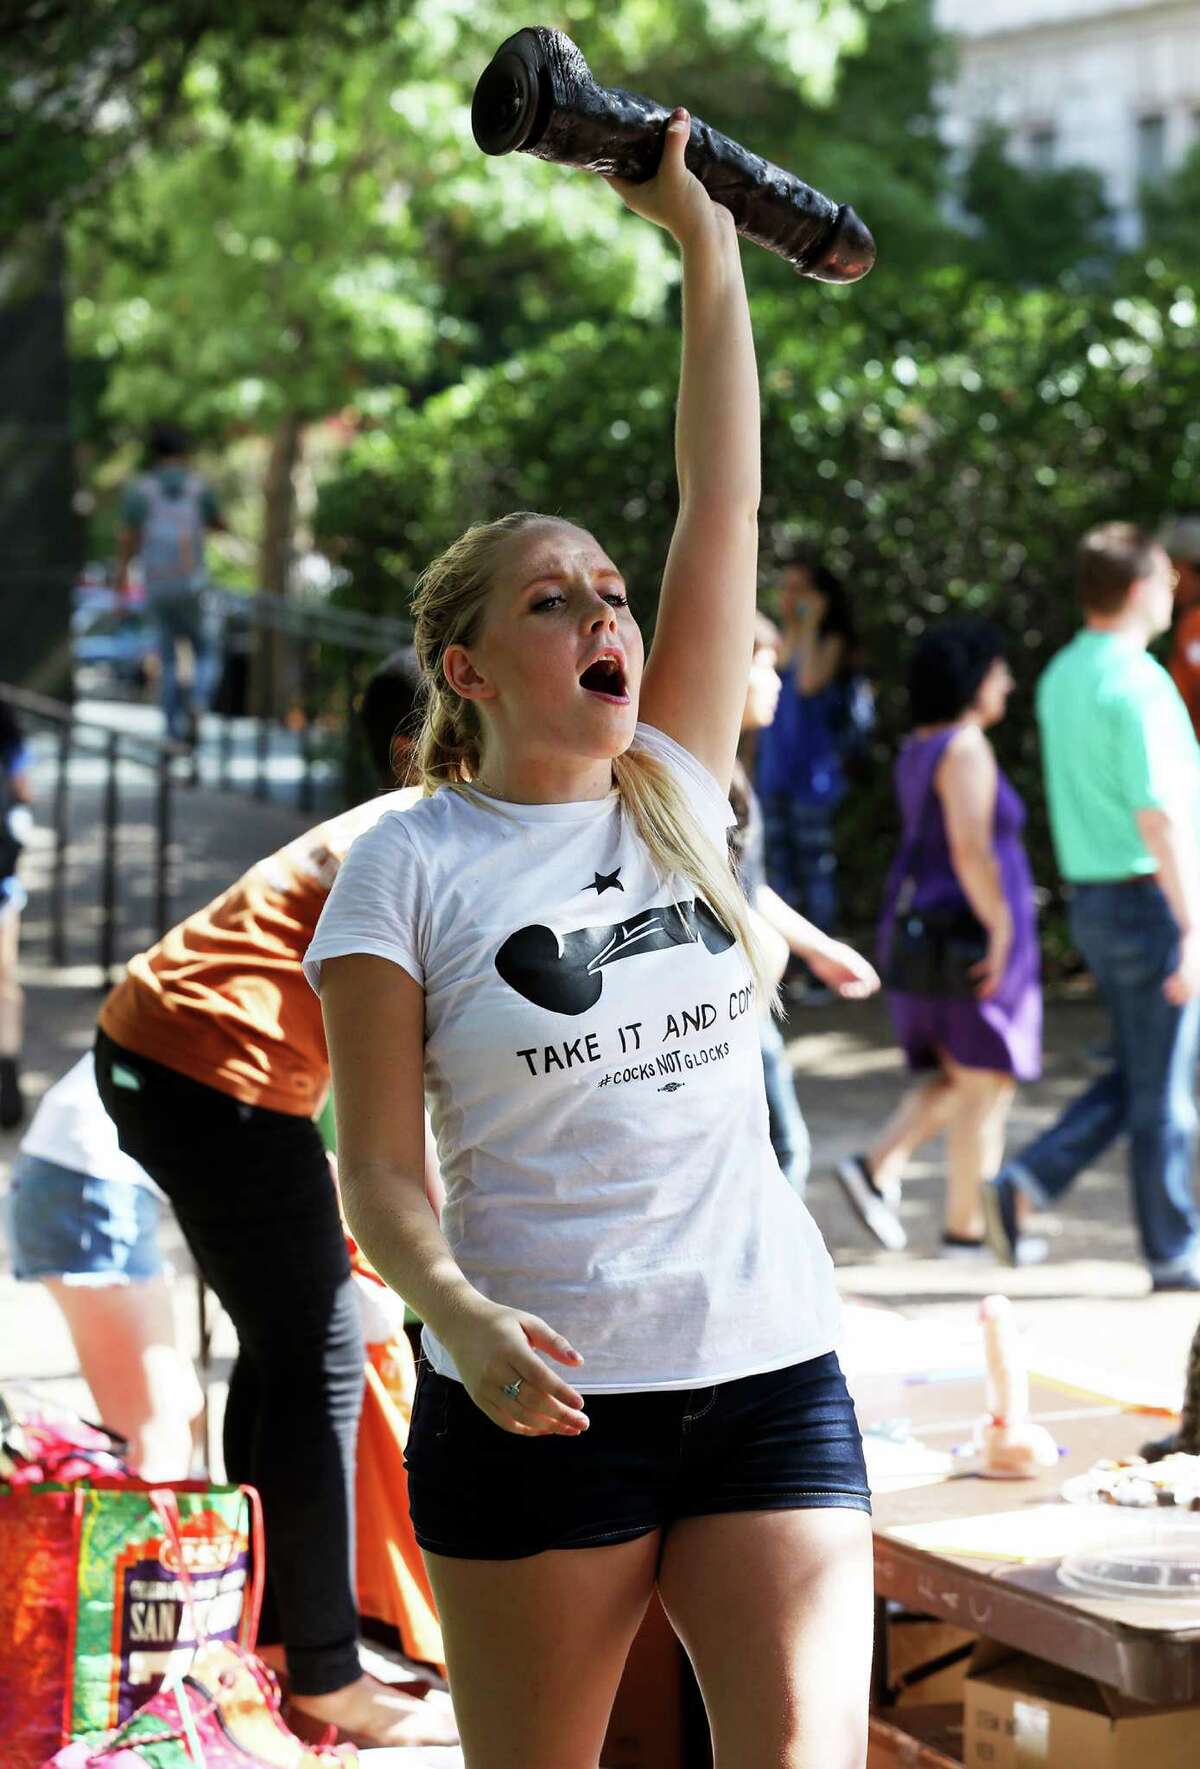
[374, 1021]
[694, 685]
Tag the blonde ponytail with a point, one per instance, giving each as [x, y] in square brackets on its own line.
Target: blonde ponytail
[448, 609]
[673, 837]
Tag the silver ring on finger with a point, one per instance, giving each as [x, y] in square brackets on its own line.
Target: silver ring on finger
[513, 1389]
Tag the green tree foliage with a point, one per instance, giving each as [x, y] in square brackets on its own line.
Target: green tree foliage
[87, 84]
[278, 215]
[1032, 225]
[944, 452]
[322, 232]
[1171, 212]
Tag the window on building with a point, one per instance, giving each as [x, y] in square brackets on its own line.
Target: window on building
[1042, 146]
[1151, 147]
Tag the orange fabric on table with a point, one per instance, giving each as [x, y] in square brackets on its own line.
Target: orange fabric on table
[222, 998]
[1184, 662]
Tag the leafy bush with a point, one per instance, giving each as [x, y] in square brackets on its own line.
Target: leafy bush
[944, 449]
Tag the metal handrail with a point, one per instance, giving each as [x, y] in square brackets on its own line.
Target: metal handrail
[326, 653]
[156, 753]
[315, 620]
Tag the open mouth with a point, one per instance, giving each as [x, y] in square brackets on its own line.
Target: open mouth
[605, 678]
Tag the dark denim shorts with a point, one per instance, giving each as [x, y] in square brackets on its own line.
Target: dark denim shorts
[786, 1440]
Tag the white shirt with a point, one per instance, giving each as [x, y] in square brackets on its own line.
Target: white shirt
[72, 1129]
[594, 1079]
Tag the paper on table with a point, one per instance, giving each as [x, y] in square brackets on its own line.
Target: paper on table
[1140, 1391]
[1035, 1532]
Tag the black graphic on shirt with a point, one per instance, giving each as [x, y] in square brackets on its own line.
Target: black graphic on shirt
[565, 972]
[606, 881]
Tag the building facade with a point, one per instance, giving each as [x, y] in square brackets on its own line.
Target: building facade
[1110, 84]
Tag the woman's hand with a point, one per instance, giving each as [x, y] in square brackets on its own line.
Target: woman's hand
[844, 970]
[674, 198]
[988, 974]
[492, 1348]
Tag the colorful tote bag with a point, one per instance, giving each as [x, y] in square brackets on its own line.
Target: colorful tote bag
[222, 1714]
[107, 1588]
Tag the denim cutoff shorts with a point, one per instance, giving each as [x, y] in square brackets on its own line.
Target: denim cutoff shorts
[64, 1224]
[782, 1441]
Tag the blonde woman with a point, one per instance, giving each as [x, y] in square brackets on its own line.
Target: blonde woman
[629, 1315]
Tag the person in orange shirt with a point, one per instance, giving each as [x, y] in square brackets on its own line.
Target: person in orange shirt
[211, 1061]
[1181, 538]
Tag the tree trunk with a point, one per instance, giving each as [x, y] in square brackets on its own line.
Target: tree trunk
[39, 531]
[276, 654]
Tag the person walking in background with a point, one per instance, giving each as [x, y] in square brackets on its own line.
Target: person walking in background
[83, 1219]
[838, 967]
[16, 796]
[961, 854]
[825, 711]
[165, 515]
[1123, 782]
[1181, 540]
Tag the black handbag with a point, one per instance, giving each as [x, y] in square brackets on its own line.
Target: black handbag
[933, 951]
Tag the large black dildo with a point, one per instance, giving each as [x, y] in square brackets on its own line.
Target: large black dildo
[537, 96]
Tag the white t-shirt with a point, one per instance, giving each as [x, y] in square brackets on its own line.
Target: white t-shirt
[593, 1074]
[72, 1129]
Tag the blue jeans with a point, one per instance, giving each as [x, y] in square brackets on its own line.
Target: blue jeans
[789, 1133]
[185, 616]
[801, 861]
[1130, 941]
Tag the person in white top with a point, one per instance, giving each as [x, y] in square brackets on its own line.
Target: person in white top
[553, 948]
[83, 1218]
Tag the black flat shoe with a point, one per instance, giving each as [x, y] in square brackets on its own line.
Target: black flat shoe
[12, 1106]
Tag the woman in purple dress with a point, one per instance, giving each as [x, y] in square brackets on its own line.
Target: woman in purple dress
[961, 847]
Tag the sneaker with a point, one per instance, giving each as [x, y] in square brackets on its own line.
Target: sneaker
[876, 1210]
[1002, 1228]
[12, 1106]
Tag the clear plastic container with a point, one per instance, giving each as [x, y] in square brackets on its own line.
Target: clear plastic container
[1162, 1563]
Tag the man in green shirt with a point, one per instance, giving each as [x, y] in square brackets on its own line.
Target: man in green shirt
[1123, 783]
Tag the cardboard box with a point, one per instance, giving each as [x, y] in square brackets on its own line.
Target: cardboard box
[1020, 1713]
[917, 1738]
[926, 1660]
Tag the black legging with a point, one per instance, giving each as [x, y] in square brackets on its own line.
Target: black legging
[254, 1198]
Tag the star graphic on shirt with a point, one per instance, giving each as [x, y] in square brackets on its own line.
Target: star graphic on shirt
[606, 881]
